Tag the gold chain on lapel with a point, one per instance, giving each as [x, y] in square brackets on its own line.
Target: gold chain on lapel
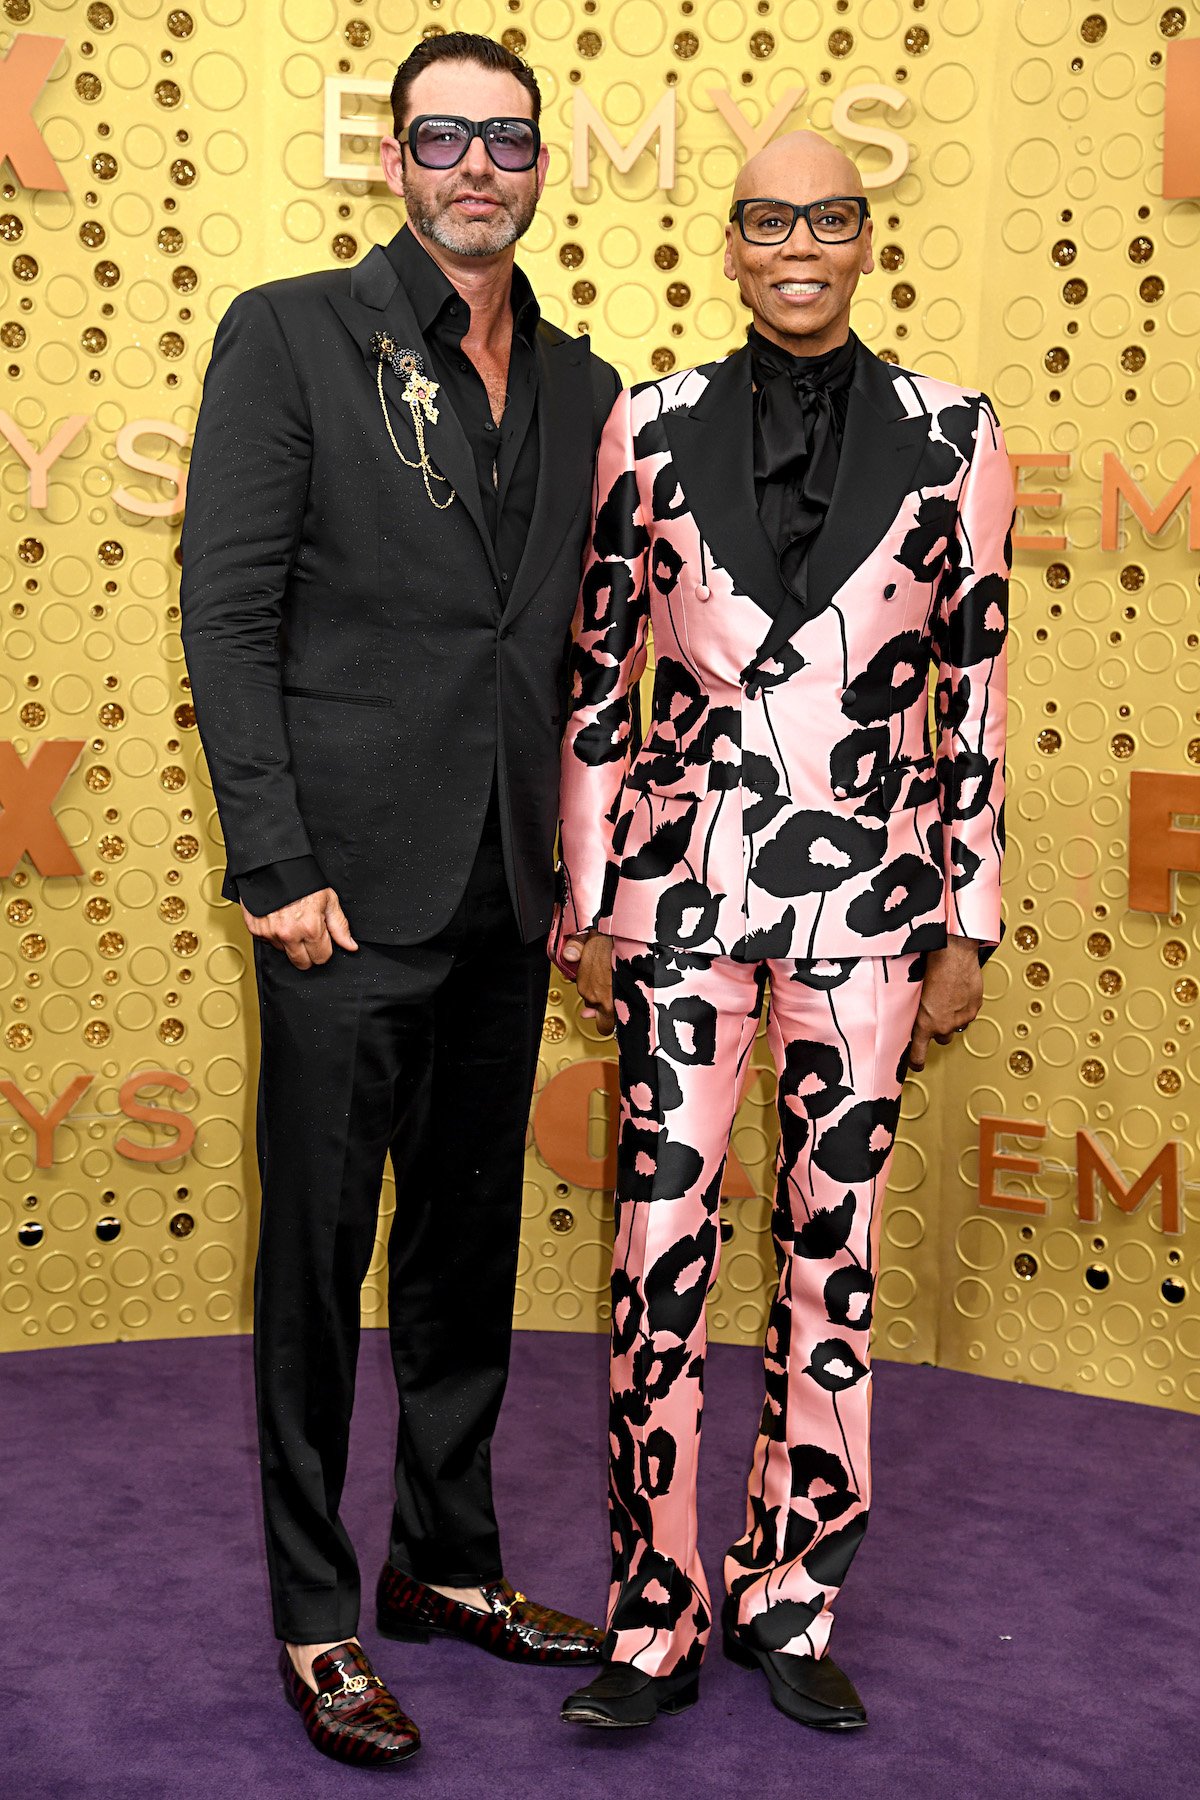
[418, 395]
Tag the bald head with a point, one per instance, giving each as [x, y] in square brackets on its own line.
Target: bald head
[800, 166]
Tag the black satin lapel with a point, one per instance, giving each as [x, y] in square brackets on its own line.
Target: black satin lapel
[378, 302]
[564, 415]
[880, 452]
[784, 626]
[712, 448]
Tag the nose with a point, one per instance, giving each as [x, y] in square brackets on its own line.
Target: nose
[477, 161]
[801, 246]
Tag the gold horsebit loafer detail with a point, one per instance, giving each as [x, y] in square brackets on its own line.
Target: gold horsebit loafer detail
[351, 1717]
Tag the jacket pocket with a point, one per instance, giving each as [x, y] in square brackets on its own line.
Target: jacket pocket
[665, 778]
[307, 693]
[671, 771]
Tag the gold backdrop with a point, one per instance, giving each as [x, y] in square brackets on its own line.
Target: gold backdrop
[1024, 245]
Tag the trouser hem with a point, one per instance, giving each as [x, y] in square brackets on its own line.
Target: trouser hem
[314, 1628]
[440, 1578]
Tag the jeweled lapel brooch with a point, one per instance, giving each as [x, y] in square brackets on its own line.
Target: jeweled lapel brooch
[418, 394]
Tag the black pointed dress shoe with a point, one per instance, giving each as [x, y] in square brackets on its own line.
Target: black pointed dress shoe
[352, 1717]
[512, 1627]
[812, 1690]
[622, 1695]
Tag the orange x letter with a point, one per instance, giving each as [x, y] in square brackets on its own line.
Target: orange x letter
[23, 74]
[27, 795]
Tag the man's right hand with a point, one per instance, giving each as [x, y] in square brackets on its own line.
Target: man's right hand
[306, 930]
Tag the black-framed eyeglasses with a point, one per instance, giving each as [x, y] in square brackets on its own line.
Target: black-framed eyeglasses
[838, 220]
[440, 141]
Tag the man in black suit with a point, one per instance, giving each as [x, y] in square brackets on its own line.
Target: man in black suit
[387, 504]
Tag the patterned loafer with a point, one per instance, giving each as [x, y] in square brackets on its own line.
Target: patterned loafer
[352, 1717]
[512, 1626]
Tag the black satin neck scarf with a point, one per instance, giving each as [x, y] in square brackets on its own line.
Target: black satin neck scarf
[800, 408]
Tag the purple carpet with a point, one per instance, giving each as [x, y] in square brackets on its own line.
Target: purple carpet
[1022, 1618]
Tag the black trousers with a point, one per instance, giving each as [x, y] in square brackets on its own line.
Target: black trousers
[427, 1054]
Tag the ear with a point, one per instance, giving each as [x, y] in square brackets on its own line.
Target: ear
[868, 262]
[542, 165]
[730, 271]
[391, 161]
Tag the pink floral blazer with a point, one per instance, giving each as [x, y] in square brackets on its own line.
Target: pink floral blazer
[792, 795]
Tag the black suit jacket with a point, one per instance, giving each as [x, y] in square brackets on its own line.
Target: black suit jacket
[357, 676]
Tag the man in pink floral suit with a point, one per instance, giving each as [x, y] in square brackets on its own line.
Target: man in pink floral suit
[808, 531]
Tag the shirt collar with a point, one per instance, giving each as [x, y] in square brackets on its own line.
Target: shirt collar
[433, 295]
[831, 368]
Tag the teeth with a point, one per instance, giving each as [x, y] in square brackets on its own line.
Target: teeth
[801, 287]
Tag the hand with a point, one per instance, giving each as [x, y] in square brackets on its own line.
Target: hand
[594, 979]
[306, 930]
[951, 996]
[565, 956]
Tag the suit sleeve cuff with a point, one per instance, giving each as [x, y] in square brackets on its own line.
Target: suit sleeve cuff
[986, 947]
[265, 890]
[987, 950]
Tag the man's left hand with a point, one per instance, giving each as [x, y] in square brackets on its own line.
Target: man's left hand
[951, 996]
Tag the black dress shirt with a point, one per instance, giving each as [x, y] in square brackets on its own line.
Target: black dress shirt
[506, 463]
[800, 407]
[506, 455]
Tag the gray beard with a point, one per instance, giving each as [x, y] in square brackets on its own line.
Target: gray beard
[477, 239]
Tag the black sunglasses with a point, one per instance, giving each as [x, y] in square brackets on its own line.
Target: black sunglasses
[440, 141]
[838, 220]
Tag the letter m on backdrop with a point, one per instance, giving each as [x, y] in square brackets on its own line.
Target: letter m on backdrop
[1097, 1170]
[23, 75]
[1117, 484]
[588, 123]
[27, 795]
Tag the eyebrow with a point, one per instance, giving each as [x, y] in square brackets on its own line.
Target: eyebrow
[778, 200]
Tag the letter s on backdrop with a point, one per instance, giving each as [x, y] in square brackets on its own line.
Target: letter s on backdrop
[896, 146]
[144, 1114]
[133, 458]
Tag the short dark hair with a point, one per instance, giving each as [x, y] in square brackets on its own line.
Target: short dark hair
[460, 46]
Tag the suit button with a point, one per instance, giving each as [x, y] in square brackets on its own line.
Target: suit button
[850, 696]
[703, 591]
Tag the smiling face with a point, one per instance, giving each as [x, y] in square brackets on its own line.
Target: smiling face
[799, 291]
[474, 209]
